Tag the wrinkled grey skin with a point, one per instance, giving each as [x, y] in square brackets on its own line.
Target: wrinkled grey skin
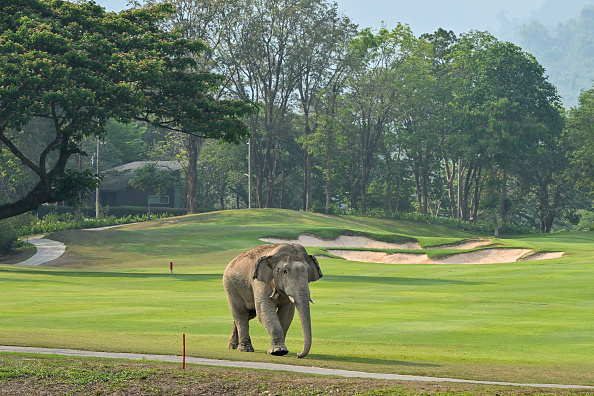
[269, 282]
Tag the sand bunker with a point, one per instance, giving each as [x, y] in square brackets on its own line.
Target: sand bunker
[544, 256]
[344, 241]
[483, 256]
[486, 256]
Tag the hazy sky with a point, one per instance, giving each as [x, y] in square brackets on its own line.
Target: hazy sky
[425, 16]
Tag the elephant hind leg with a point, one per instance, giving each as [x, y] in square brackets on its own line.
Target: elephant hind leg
[246, 344]
[234, 339]
[242, 345]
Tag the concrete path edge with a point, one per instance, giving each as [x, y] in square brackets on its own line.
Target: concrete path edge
[268, 366]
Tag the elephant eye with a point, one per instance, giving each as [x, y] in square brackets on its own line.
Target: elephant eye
[284, 271]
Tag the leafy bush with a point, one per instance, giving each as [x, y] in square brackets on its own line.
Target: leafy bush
[117, 211]
[9, 232]
[8, 236]
[123, 211]
[66, 220]
[586, 222]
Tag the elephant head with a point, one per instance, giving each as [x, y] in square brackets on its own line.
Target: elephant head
[289, 269]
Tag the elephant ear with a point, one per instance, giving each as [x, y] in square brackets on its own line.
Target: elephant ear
[315, 272]
[263, 270]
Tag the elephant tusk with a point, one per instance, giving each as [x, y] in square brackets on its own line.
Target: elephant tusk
[312, 301]
[274, 294]
[292, 299]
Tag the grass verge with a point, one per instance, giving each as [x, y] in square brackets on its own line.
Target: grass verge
[37, 375]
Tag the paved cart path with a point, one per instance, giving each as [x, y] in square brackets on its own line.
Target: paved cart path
[47, 250]
[268, 366]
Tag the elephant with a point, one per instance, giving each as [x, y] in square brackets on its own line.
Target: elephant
[269, 282]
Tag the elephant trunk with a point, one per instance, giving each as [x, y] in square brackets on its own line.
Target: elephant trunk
[302, 305]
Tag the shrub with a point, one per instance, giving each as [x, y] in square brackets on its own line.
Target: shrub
[9, 233]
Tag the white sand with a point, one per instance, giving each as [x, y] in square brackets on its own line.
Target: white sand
[544, 256]
[486, 256]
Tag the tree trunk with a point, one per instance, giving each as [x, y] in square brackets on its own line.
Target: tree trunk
[450, 175]
[352, 197]
[193, 147]
[418, 187]
[328, 179]
[503, 204]
[425, 190]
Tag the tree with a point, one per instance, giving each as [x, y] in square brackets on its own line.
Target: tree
[390, 65]
[508, 108]
[319, 58]
[197, 20]
[78, 66]
[579, 133]
[151, 179]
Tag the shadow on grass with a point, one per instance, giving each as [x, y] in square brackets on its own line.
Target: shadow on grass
[393, 280]
[382, 362]
[85, 274]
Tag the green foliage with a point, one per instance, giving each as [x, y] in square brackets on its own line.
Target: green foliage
[8, 236]
[580, 136]
[586, 222]
[117, 211]
[151, 179]
[53, 222]
[78, 66]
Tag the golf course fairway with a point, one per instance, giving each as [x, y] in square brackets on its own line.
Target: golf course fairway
[521, 321]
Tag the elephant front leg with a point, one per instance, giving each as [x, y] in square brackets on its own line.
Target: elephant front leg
[268, 317]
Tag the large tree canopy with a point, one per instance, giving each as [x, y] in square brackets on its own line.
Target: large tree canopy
[77, 66]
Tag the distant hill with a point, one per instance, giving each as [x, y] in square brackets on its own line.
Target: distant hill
[559, 35]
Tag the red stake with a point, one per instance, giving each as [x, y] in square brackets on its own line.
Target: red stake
[184, 364]
[171, 267]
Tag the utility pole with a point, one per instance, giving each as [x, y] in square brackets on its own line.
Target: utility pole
[97, 188]
[459, 189]
[249, 173]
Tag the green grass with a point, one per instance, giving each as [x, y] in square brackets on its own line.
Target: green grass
[33, 374]
[515, 322]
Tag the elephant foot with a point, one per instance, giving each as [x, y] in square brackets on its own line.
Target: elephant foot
[278, 350]
[245, 346]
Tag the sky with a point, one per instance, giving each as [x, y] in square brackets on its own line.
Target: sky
[422, 15]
